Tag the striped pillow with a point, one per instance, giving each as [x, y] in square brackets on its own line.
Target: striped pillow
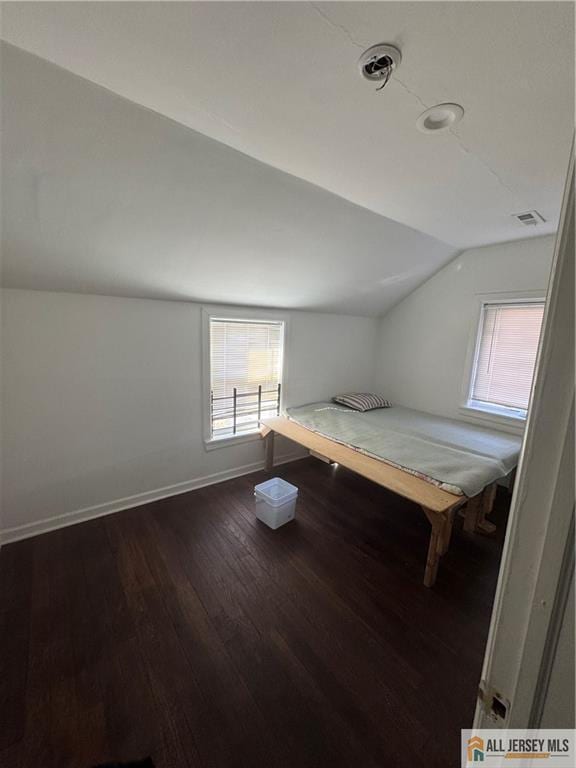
[362, 401]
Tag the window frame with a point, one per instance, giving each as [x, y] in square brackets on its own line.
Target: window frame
[244, 314]
[509, 418]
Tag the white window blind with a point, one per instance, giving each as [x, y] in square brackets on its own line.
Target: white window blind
[245, 374]
[506, 355]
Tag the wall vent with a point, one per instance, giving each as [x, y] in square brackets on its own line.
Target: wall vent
[529, 218]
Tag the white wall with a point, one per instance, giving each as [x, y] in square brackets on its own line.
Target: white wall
[102, 397]
[423, 341]
[559, 706]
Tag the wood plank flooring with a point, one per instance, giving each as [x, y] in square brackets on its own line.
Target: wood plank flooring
[188, 631]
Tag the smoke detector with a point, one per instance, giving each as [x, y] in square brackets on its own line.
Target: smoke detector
[529, 218]
[378, 62]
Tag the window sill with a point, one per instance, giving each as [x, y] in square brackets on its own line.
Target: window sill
[513, 422]
[222, 442]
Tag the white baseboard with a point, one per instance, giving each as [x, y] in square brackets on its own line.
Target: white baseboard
[35, 528]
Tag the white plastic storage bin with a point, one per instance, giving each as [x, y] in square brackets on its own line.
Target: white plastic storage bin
[275, 502]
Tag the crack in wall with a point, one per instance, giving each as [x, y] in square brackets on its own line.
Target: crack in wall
[395, 79]
[485, 164]
[339, 27]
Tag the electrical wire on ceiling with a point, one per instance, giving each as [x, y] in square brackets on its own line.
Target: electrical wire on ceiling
[387, 76]
[378, 63]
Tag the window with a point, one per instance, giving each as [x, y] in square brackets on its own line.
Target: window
[245, 374]
[505, 356]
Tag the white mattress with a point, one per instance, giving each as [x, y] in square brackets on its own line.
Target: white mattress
[460, 457]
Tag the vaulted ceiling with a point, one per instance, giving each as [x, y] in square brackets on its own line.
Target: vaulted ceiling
[105, 196]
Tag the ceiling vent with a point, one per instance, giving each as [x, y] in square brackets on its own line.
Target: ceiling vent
[529, 218]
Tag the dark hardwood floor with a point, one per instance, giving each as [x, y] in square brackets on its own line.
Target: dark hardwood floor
[188, 631]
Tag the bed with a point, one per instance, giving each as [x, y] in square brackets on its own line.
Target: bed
[441, 464]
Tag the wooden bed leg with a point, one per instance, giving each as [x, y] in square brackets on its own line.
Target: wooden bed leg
[488, 497]
[439, 541]
[432, 560]
[472, 513]
[269, 451]
[447, 531]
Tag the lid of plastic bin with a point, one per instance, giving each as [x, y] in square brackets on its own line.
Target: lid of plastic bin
[276, 489]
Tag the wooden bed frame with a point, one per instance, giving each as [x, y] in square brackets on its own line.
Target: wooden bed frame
[438, 505]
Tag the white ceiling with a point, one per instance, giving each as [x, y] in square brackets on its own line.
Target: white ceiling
[100, 195]
[279, 82]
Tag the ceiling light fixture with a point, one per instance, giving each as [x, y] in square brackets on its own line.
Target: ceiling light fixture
[378, 62]
[440, 118]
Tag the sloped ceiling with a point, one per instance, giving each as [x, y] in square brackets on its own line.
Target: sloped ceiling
[103, 196]
[279, 81]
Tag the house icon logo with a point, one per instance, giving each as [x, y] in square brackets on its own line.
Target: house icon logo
[475, 749]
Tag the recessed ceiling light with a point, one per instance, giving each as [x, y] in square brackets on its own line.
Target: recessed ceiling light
[440, 118]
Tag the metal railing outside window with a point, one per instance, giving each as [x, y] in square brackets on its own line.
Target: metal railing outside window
[241, 412]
